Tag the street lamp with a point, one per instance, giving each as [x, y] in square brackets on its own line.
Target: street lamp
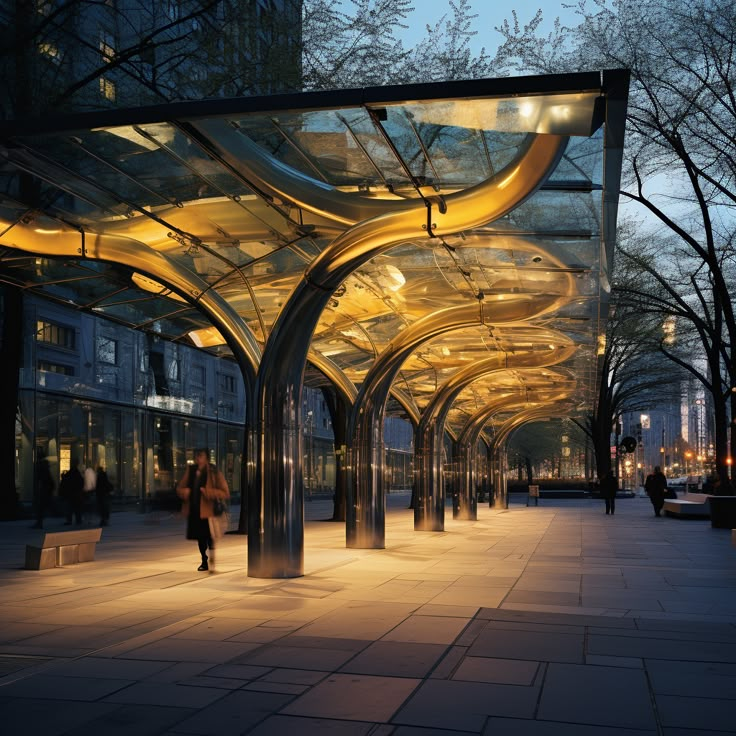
[688, 456]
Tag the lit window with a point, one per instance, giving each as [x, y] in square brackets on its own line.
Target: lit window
[107, 47]
[51, 51]
[107, 89]
[53, 334]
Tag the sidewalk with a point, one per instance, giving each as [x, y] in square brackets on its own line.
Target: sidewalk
[536, 621]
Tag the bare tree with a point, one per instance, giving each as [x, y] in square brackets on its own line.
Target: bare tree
[680, 172]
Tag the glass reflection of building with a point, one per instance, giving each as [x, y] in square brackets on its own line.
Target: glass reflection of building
[95, 392]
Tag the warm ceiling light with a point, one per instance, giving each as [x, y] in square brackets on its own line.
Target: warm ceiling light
[207, 337]
[151, 285]
[396, 278]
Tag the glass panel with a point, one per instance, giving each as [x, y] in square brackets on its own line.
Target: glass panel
[559, 211]
[582, 163]
[78, 152]
[561, 114]
[214, 178]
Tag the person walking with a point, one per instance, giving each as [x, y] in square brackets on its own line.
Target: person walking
[71, 489]
[44, 488]
[656, 485]
[103, 491]
[201, 486]
[90, 485]
[609, 488]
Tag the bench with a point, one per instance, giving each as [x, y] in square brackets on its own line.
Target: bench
[56, 549]
[688, 506]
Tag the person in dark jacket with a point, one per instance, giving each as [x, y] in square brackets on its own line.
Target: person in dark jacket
[656, 486]
[103, 492]
[71, 489]
[609, 487]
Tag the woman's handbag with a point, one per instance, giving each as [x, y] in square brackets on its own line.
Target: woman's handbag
[220, 522]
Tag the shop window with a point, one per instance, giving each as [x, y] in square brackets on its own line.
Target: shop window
[107, 350]
[53, 334]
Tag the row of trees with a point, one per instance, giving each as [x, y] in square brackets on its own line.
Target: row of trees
[675, 257]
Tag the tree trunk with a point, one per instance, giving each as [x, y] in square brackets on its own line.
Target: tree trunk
[12, 343]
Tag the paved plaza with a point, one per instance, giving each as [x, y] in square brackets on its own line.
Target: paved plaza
[535, 621]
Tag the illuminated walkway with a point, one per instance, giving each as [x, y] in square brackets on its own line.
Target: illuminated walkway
[540, 621]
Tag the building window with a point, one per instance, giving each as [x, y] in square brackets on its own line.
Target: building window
[198, 375]
[107, 350]
[227, 383]
[107, 46]
[172, 10]
[53, 334]
[173, 372]
[107, 89]
[48, 367]
[50, 51]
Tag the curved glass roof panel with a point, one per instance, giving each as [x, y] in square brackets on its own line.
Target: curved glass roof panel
[196, 197]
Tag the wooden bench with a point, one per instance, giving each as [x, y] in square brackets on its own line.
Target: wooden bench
[56, 549]
[688, 506]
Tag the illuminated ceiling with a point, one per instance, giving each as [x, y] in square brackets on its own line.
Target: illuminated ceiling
[144, 215]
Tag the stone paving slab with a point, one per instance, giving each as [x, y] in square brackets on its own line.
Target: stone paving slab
[528, 622]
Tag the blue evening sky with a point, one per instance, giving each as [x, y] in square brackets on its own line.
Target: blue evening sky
[490, 15]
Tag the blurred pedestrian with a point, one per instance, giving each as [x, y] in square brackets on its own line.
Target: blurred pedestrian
[44, 487]
[203, 489]
[656, 486]
[103, 491]
[71, 489]
[609, 488]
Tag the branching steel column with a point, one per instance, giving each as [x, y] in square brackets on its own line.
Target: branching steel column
[366, 489]
[468, 439]
[428, 448]
[276, 530]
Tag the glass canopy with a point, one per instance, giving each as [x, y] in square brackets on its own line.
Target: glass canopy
[164, 178]
[452, 241]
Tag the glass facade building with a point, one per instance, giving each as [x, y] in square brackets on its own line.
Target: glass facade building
[99, 394]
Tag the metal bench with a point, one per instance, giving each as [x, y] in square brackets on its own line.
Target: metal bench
[688, 506]
[56, 549]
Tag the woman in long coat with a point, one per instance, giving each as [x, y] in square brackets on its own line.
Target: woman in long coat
[201, 487]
